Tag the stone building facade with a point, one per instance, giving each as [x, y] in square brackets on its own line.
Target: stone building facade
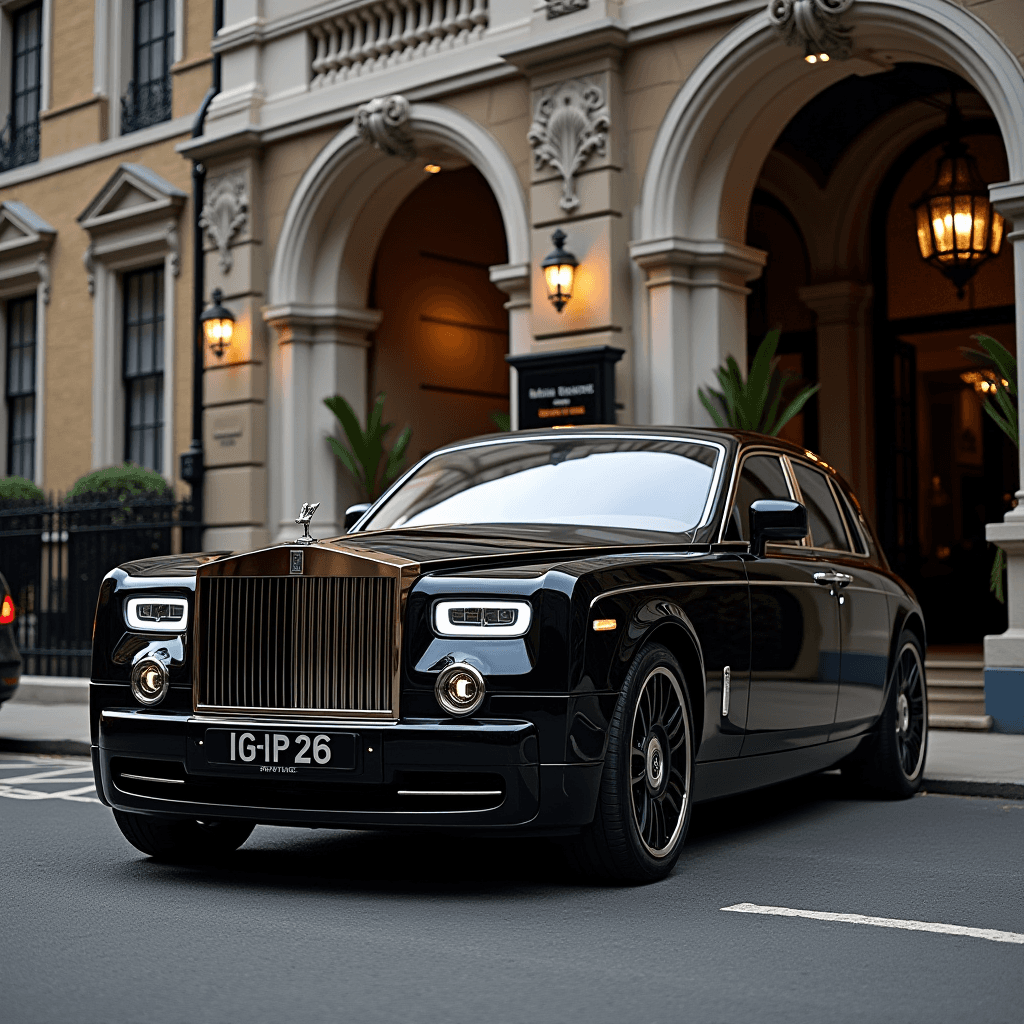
[383, 180]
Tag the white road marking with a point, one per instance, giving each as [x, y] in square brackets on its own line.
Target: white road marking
[883, 922]
[13, 787]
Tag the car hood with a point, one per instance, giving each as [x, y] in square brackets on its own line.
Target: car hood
[461, 547]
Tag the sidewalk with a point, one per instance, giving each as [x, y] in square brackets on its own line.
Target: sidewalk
[51, 716]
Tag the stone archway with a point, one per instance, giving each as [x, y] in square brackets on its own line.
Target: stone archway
[319, 284]
[713, 142]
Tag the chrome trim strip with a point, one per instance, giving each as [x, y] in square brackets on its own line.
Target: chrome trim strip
[152, 778]
[585, 435]
[449, 792]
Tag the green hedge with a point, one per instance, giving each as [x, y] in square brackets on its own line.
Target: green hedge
[120, 483]
[17, 488]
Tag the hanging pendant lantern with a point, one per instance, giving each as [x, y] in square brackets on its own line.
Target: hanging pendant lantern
[957, 229]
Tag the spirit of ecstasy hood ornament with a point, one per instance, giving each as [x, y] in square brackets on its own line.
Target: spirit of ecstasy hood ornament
[305, 518]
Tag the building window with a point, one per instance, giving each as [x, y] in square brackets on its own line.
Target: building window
[21, 387]
[148, 99]
[19, 140]
[144, 367]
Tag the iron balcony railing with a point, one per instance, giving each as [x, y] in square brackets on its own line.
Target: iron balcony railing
[145, 104]
[19, 144]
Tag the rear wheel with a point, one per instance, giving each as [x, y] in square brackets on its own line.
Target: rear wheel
[179, 840]
[894, 763]
[644, 804]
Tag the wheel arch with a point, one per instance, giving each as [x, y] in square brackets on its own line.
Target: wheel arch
[685, 647]
[907, 620]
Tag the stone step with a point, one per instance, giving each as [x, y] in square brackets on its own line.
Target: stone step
[972, 723]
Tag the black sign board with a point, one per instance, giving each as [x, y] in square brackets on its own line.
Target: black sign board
[568, 387]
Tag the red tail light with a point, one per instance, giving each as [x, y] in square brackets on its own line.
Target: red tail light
[7, 612]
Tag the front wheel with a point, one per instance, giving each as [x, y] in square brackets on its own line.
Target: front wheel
[179, 840]
[644, 804]
[893, 765]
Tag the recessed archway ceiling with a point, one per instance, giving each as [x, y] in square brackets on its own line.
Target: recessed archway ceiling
[825, 128]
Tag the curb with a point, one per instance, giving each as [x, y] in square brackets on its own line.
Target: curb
[966, 787]
[76, 748]
[51, 690]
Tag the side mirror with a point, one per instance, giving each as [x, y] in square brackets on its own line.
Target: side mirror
[354, 513]
[775, 519]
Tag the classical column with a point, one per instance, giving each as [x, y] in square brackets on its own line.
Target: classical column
[696, 318]
[844, 372]
[1004, 653]
[321, 353]
[514, 280]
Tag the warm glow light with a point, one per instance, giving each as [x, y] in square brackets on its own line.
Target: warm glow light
[811, 58]
[432, 168]
[823, 57]
[7, 611]
[559, 269]
[602, 625]
[218, 325]
[983, 381]
[957, 229]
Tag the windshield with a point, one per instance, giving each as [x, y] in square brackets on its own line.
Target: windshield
[631, 483]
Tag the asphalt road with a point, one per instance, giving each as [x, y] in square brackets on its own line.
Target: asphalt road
[342, 926]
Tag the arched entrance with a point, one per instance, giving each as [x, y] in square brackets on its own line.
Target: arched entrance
[713, 142]
[320, 283]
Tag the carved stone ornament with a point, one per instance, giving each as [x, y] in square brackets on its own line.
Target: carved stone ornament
[90, 269]
[815, 25]
[43, 270]
[557, 8]
[384, 123]
[570, 122]
[225, 213]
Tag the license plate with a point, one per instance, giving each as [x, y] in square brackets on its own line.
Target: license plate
[283, 752]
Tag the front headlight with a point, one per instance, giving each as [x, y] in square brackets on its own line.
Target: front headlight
[157, 614]
[482, 618]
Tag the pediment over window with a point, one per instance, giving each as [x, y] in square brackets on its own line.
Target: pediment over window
[133, 195]
[22, 232]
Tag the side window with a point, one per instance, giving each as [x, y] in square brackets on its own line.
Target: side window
[851, 521]
[823, 514]
[761, 476]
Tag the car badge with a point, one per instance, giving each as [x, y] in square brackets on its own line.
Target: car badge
[305, 518]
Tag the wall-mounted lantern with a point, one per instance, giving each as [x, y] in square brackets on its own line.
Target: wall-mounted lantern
[957, 229]
[218, 324]
[559, 268]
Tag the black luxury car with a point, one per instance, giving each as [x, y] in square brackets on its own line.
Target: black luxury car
[10, 659]
[571, 632]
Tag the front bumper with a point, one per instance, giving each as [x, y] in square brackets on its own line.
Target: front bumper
[492, 764]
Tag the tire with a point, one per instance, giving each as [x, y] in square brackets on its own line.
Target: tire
[893, 764]
[644, 804]
[181, 841]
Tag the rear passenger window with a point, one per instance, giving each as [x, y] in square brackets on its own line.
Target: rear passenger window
[823, 514]
[760, 477]
[851, 522]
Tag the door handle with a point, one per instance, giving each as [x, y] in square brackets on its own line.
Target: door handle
[832, 579]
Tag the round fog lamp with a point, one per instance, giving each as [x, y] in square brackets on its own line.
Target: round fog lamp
[459, 689]
[150, 681]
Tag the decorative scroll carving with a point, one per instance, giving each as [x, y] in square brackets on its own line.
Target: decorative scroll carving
[225, 213]
[570, 122]
[174, 250]
[90, 269]
[384, 123]
[556, 8]
[43, 270]
[815, 25]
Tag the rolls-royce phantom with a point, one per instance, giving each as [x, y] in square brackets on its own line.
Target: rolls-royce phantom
[570, 632]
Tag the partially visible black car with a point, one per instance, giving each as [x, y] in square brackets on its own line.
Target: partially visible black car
[10, 659]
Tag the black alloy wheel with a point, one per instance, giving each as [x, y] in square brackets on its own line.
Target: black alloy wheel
[892, 763]
[644, 804]
[181, 840]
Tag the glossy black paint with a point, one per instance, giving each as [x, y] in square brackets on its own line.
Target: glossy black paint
[809, 664]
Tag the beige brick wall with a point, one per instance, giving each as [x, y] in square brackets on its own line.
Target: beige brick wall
[59, 199]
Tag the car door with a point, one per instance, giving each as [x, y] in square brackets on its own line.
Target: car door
[841, 553]
[795, 652]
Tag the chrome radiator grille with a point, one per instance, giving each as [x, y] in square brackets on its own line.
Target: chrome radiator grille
[320, 644]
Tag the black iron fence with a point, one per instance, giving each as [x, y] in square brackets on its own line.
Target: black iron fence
[55, 556]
